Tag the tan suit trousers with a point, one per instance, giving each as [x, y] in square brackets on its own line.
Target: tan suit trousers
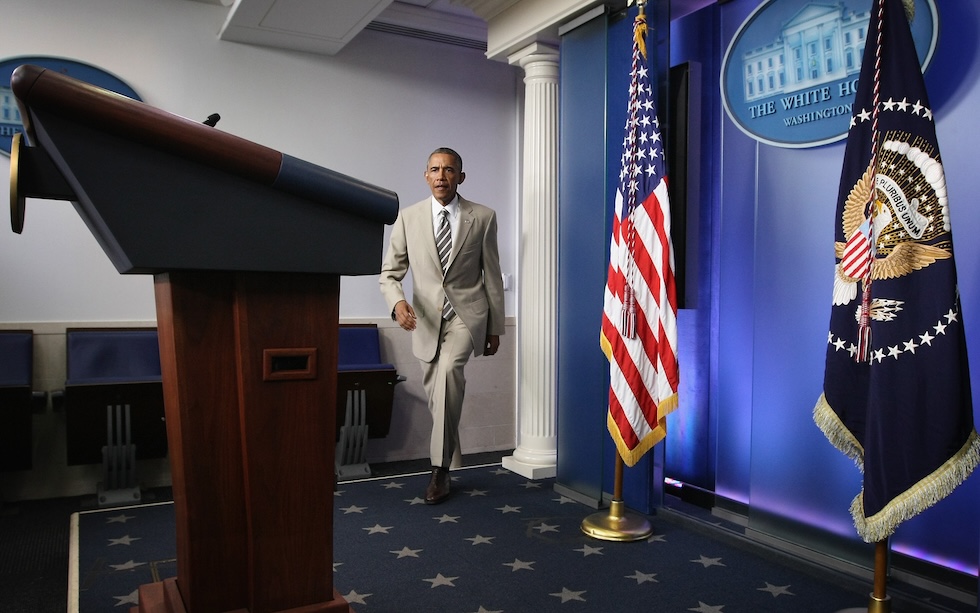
[444, 385]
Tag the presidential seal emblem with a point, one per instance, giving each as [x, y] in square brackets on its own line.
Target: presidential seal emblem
[907, 223]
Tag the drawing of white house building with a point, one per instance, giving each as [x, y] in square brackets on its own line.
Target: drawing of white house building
[821, 43]
[10, 120]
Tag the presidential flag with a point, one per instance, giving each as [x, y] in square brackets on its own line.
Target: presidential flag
[639, 319]
[896, 395]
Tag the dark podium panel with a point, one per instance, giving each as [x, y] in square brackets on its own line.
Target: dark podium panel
[246, 246]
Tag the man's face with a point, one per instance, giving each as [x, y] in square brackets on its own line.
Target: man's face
[443, 176]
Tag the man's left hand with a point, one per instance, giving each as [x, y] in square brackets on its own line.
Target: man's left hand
[492, 344]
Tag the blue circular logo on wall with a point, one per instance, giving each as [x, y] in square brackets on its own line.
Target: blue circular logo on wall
[790, 73]
[10, 120]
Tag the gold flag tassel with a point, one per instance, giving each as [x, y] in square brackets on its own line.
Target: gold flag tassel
[640, 32]
[864, 323]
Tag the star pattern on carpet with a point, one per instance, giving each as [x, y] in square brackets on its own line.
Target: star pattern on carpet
[517, 565]
[446, 519]
[133, 598]
[543, 527]
[706, 562]
[119, 519]
[532, 555]
[588, 550]
[481, 540]
[566, 595]
[642, 577]
[440, 579]
[353, 597]
[130, 565]
[707, 608]
[776, 590]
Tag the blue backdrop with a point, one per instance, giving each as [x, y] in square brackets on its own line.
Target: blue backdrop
[754, 346]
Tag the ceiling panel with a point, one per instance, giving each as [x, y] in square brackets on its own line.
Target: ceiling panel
[316, 26]
[326, 26]
[333, 19]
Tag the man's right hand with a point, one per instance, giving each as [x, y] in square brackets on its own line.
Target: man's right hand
[405, 315]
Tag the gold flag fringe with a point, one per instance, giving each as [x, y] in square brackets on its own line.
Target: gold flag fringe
[648, 442]
[920, 497]
[909, 9]
[924, 494]
[839, 436]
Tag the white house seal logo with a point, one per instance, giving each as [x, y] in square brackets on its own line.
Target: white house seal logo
[790, 73]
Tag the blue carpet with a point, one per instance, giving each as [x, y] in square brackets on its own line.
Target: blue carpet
[500, 544]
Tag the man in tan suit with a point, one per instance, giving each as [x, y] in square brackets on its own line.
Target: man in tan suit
[454, 313]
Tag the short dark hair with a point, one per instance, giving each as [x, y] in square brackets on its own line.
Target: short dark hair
[448, 151]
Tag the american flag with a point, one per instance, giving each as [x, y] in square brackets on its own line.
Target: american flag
[639, 319]
[856, 263]
[905, 412]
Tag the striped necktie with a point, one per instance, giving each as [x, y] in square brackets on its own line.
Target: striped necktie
[444, 243]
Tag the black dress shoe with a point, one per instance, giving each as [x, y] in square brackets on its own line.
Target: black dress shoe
[438, 489]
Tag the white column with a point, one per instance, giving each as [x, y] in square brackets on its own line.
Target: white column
[537, 449]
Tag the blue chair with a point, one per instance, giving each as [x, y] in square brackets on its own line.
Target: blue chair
[365, 395]
[112, 367]
[16, 399]
[113, 402]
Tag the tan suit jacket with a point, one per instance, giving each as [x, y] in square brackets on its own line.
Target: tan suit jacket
[473, 282]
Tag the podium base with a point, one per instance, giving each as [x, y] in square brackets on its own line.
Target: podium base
[164, 597]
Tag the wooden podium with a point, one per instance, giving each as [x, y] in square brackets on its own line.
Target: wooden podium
[246, 246]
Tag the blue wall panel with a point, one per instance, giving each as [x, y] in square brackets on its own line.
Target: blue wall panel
[583, 257]
[772, 245]
[766, 265]
[691, 430]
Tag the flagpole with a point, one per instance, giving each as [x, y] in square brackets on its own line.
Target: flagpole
[880, 601]
[619, 523]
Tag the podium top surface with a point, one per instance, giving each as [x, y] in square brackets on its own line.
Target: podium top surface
[162, 192]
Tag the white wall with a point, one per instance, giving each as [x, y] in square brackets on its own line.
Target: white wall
[374, 111]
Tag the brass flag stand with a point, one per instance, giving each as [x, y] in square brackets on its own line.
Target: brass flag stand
[619, 523]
